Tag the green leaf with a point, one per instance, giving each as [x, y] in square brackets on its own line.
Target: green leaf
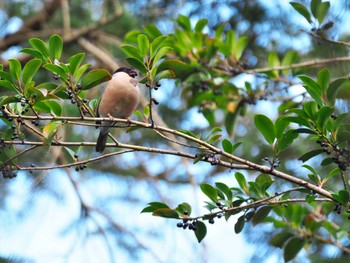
[55, 46]
[165, 74]
[94, 78]
[50, 130]
[292, 248]
[301, 9]
[184, 209]
[209, 191]
[286, 140]
[227, 146]
[313, 88]
[287, 60]
[80, 71]
[161, 53]
[230, 121]
[239, 47]
[8, 85]
[264, 181]
[30, 70]
[239, 224]
[15, 69]
[225, 189]
[209, 116]
[55, 107]
[143, 43]
[156, 44]
[323, 79]
[322, 11]
[153, 206]
[344, 197]
[137, 65]
[184, 22]
[58, 70]
[273, 61]
[266, 127]
[241, 181]
[332, 173]
[280, 239]
[200, 25]
[33, 52]
[166, 212]
[201, 231]
[314, 7]
[181, 69]
[310, 155]
[334, 87]
[152, 31]
[133, 52]
[75, 61]
[261, 214]
[40, 46]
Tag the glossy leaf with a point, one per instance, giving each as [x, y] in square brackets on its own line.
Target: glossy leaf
[301, 9]
[225, 189]
[57, 70]
[94, 78]
[184, 209]
[181, 69]
[55, 46]
[143, 43]
[322, 11]
[30, 70]
[137, 65]
[166, 212]
[261, 214]
[273, 61]
[153, 206]
[266, 127]
[161, 53]
[227, 146]
[239, 224]
[209, 191]
[15, 69]
[133, 52]
[313, 88]
[241, 181]
[152, 31]
[156, 44]
[334, 87]
[201, 231]
[8, 85]
[40, 46]
[310, 155]
[323, 79]
[263, 182]
[75, 62]
[165, 74]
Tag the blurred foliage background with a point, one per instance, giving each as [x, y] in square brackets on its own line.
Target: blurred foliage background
[41, 213]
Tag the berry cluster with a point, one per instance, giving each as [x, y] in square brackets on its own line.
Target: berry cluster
[187, 223]
[7, 171]
[341, 157]
[81, 166]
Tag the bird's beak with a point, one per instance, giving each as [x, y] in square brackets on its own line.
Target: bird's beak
[134, 82]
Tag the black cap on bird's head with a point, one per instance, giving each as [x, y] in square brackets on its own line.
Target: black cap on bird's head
[130, 71]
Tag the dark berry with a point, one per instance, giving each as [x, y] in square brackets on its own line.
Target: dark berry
[180, 224]
[211, 221]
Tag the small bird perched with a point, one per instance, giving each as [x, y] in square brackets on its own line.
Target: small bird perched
[119, 100]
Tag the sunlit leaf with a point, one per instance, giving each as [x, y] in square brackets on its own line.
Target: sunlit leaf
[301, 9]
[94, 78]
[209, 191]
[55, 46]
[266, 127]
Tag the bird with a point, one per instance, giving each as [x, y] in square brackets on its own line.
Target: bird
[119, 100]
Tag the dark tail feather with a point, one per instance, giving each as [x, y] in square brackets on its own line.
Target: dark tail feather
[101, 142]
